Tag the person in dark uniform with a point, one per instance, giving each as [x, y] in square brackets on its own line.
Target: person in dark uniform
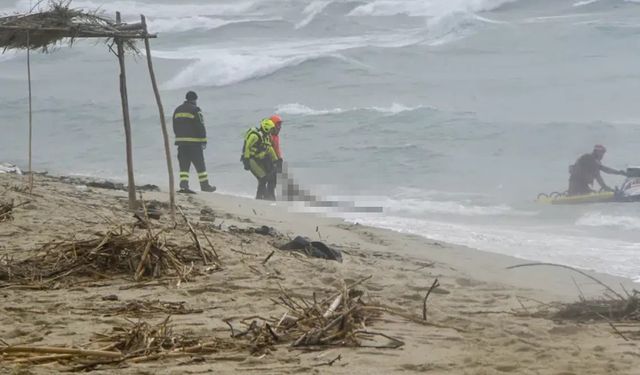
[191, 139]
[586, 169]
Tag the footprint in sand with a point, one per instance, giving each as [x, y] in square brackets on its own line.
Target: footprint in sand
[419, 367]
[507, 368]
[467, 282]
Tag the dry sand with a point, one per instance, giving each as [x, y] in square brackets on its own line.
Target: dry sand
[490, 310]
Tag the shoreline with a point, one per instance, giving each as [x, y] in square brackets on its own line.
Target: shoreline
[485, 319]
[505, 260]
[494, 265]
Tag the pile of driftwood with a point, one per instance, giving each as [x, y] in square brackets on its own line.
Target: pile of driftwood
[627, 309]
[622, 313]
[614, 308]
[341, 320]
[138, 342]
[120, 251]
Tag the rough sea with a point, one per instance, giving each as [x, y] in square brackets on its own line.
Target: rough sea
[451, 114]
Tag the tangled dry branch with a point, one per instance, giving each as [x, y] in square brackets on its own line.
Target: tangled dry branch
[49, 27]
[120, 251]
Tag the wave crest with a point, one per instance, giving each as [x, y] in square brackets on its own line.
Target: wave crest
[225, 66]
[178, 25]
[597, 219]
[303, 110]
[425, 8]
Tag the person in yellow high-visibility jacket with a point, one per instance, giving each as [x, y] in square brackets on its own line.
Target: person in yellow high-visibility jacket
[259, 157]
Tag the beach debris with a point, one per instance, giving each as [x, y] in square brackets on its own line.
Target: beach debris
[139, 308]
[10, 168]
[101, 183]
[208, 215]
[139, 341]
[314, 249]
[601, 309]
[342, 319]
[262, 230]
[6, 211]
[424, 302]
[613, 309]
[119, 251]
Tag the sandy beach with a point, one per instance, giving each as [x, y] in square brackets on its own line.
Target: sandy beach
[482, 319]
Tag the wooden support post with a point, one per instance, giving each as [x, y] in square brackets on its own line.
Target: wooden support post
[163, 123]
[30, 112]
[126, 119]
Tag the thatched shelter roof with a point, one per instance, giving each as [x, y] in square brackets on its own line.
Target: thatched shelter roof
[49, 27]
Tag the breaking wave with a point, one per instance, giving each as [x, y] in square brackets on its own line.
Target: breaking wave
[226, 66]
[597, 219]
[418, 207]
[311, 11]
[177, 25]
[425, 8]
[303, 110]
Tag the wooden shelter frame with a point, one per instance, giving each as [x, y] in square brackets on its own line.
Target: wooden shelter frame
[19, 32]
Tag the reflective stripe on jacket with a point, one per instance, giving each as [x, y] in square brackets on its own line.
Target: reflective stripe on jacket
[188, 124]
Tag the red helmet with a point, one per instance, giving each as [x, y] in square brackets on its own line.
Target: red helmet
[277, 120]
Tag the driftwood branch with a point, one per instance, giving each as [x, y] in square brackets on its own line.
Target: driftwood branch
[194, 235]
[54, 350]
[268, 257]
[424, 303]
[615, 329]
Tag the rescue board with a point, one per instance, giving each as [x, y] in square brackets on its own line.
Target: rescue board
[605, 196]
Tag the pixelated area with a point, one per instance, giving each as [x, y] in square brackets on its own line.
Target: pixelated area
[293, 192]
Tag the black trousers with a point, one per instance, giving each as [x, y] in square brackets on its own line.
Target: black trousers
[270, 189]
[192, 154]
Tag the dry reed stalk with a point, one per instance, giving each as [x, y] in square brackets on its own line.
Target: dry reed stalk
[340, 320]
[119, 251]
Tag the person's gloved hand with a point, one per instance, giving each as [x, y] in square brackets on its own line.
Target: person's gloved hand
[204, 146]
[279, 165]
[245, 162]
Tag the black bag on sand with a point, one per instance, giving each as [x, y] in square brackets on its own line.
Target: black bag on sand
[314, 249]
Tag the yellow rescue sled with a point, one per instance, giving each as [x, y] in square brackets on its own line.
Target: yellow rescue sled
[602, 197]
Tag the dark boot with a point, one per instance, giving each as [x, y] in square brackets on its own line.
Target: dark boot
[204, 186]
[184, 188]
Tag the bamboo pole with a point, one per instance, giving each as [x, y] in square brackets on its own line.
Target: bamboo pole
[126, 119]
[163, 123]
[30, 111]
[55, 350]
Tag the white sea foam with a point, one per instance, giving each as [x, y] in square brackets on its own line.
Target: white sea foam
[303, 110]
[585, 2]
[176, 25]
[462, 208]
[176, 10]
[7, 56]
[311, 11]
[603, 255]
[224, 66]
[422, 8]
[598, 219]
